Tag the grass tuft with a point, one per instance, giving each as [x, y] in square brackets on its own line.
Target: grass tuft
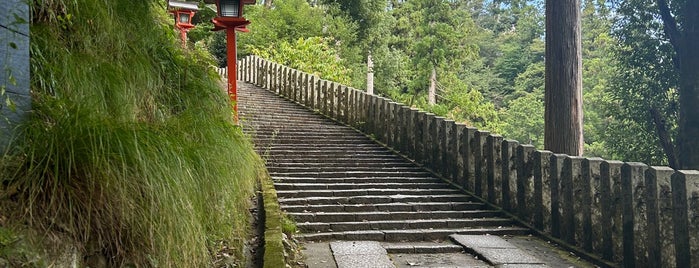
[130, 149]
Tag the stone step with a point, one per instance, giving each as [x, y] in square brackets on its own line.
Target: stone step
[348, 164]
[356, 180]
[277, 169]
[324, 146]
[339, 160]
[336, 142]
[390, 215]
[373, 199]
[314, 227]
[367, 192]
[411, 234]
[351, 174]
[282, 186]
[392, 207]
[421, 248]
[348, 152]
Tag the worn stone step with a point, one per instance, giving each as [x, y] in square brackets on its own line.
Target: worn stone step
[276, 169]
[324, 146]
[313, 227]
[340, 160]
[313, 152]
[281, 186]
[368, 192]
[411, 234]
[356, 180]
[374, 199]
[336, 142]
[390, 215]
[394, 207]
[352, 174]
[378, 164]
[316, 130]
[421, 247]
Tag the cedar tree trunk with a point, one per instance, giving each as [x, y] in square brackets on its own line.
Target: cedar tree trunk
[563, 132]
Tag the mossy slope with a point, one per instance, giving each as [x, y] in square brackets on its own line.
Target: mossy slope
[130, 149]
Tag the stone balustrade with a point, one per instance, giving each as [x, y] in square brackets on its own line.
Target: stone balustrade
[627, 214]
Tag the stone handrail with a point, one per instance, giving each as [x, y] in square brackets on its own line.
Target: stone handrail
[628, 214]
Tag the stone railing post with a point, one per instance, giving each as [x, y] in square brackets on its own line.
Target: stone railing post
[660, 243]
[685, 188]
[525, 182]
[571, 173]
[391, 124]
[284, 87]
[509, 175]
[467, 157]
[541, 209]
[256, 70]
[312, 92]
[479, 158]
[611, 214]
[428, 137]
[452, 151]
[332, 94]
[406, 132]
[588, 209]
[419, 138]
[494, 168]
[633, 214]
[421, 131]
[398, 127]
[441, 146]
[555, 189]
[371, 103]
[352, 107]
[342, 111]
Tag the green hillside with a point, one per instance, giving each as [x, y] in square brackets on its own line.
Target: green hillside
[130, 152]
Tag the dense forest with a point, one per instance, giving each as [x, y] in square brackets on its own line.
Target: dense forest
[484, 60]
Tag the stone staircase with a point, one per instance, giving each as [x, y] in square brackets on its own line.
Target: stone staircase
[340, 185]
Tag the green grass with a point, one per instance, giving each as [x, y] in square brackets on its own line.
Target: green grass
[131, 145]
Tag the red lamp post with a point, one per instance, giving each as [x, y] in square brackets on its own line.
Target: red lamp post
[183, 12]
[230, 17]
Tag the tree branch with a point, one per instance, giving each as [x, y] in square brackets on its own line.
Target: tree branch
[669, 24]
[664, 138]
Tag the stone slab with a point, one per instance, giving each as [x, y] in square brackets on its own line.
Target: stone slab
[451, 260]
[357, 247]
[481, 241]
[522, 266]
[360, 254]
[318, 255]
[498, 256]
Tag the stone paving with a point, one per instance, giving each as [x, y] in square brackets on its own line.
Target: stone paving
[357, 204]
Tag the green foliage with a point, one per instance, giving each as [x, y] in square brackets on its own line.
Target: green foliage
[524, 119]
[285, 34]
[131, 145]
[645, 80]
[312, 55]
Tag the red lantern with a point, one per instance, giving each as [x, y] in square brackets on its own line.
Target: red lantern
[230, 17]
[183, 12]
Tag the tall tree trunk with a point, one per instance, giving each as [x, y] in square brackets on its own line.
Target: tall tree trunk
[685, 43]
[689, 88]
[369, 75]
[432, 94]
[563, 131]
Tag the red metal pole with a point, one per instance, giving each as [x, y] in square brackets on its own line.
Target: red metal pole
[232, 70]
[183, 37]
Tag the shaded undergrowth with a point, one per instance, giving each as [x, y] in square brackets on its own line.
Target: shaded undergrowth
[130, 148]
